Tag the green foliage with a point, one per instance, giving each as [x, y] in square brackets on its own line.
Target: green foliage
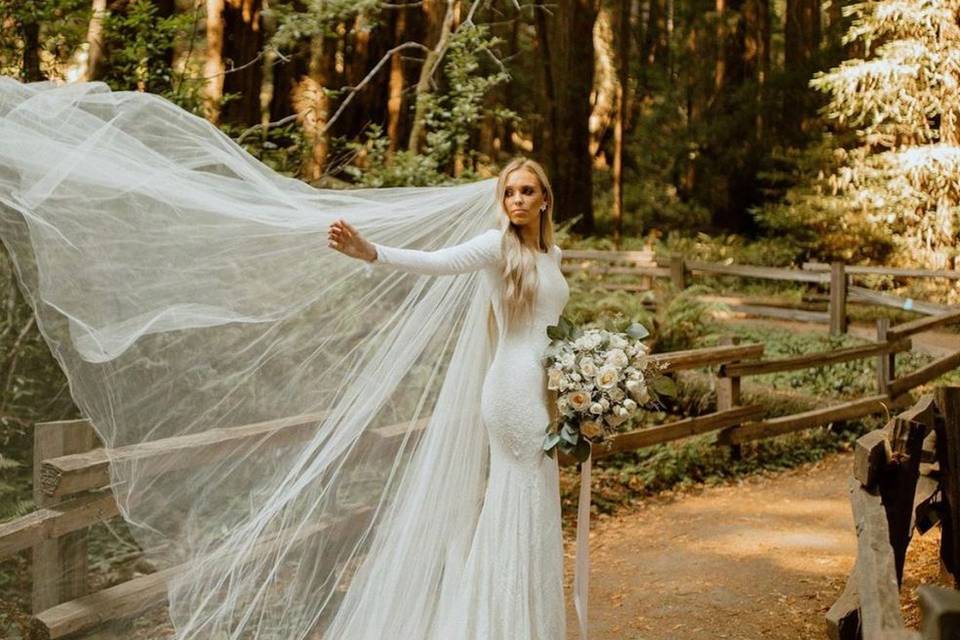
[901, 100]
[62, 28]
[139, 56]
[297, 20]
[453, 117]
[682, 320]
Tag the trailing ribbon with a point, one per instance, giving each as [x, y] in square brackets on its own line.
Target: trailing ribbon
[581, 569]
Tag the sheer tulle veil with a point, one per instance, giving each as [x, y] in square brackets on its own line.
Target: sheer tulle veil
[188, 292]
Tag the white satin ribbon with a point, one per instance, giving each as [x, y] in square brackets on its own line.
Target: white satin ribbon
[581, 569]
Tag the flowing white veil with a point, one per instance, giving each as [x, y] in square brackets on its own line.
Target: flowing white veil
[319, 460]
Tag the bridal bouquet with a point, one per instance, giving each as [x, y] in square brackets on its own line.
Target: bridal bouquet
[601, 378]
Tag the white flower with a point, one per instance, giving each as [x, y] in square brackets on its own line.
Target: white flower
[617, 341]
[576, 377]
[596, 408]
[554, 378]
[587, 366]
[629, 405]
[568, 359]
[607, 378]
[605, 404]
[617, 358]
[616, 394]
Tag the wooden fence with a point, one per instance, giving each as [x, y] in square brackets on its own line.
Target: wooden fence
[835, 276]
[905, 476]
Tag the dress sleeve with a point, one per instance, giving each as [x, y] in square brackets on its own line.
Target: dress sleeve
[477, 253]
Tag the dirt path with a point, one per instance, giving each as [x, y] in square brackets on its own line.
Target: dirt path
[761, 558]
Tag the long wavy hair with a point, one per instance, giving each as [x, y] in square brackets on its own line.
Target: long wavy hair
[520, 262]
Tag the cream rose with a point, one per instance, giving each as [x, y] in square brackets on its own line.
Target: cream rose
[554, 378]
[617, 358]
[578, 400]
[607, 377]
[588, 367]
[596, 408]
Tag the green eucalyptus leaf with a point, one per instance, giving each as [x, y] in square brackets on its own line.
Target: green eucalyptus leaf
[638, 331]
[664, 386]
[582, 450]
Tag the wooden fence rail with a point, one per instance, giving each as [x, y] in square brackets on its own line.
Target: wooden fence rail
[836, 276]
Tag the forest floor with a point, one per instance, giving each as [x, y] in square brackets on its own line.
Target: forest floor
[761, 557]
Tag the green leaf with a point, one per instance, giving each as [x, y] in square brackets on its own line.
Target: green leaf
[551, 441]
[638, 331]
[664, 386]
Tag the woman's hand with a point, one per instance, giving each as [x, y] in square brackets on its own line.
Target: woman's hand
[346, 239]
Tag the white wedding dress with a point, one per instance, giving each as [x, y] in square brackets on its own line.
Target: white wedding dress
[512, 584]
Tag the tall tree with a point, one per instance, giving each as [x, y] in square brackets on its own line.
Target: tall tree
[571, 65]
[801, 41]
[234, 45]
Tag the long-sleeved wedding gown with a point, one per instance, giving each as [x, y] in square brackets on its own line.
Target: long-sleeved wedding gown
[512, 587]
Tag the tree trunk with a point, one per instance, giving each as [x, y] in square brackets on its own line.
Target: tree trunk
[96, 47]
[433, 59]
[623, 77]
[234, 42]
[572, 66]
[30, 31]
[801, 41]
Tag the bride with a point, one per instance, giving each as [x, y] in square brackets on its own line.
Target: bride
[302, 445]
[512, 583]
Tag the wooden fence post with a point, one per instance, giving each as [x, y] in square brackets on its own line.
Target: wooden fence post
[838, 299]
[886, 362]
[678, 272]
[60, 564]
[948, 455]
[728, 394]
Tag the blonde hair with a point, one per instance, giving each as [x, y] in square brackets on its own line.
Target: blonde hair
[520, 263]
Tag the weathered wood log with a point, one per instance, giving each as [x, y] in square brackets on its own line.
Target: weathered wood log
[940, 612]
[948, 455]
[798, 421]
[677, 430]
[693, 358]
[923, 324]
[59, 567]
[861, 294]
[926, 512]
[134, 596]
[870, 456]
[897, 484]
[813, 359]
[837, 306]
[656, 272]
[750, 271]
[56, 521]
[877, 586]
[70, 474]
[924, 374]
[843, 617]
[886, 271]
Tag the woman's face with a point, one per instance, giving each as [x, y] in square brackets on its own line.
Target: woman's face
[523, 197]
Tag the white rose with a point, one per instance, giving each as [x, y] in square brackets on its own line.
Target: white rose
[554, 378]
[617, 358]
[607, 378]
[605, 404]
[567, 360]
[629, 405]
[617, 341]
[616, 394]
[596, 408]
[588, 367]
[575, 377]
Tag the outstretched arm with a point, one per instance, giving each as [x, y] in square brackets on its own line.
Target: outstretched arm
[477, 253]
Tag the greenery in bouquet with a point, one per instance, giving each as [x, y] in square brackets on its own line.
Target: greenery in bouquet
[601, 378]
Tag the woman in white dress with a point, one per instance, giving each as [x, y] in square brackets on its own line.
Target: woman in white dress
[311, 448]
[512, 586]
